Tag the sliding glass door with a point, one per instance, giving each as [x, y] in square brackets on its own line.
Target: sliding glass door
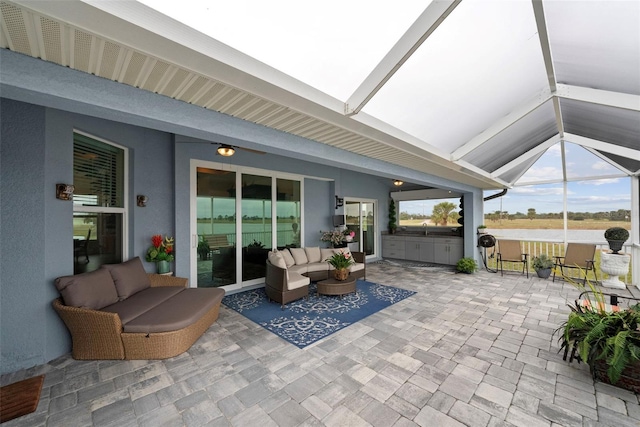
[235, 229]
[361, 219]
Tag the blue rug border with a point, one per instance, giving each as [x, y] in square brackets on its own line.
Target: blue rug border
[285, 316]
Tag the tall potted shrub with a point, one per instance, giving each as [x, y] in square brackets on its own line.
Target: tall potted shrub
[392, 217]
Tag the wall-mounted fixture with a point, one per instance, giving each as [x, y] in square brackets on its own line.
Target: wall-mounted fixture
[398, 183]
[339, 202]
[226, 150]
[64, 191]
[142, 200]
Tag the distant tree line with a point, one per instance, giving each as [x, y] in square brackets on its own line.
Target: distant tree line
[618, 215]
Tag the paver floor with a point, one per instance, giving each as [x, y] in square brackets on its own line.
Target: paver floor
[466, 350]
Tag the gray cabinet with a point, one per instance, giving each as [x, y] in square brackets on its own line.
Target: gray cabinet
[448, 251]
[419, 249]
[393, 247]
[440, 250]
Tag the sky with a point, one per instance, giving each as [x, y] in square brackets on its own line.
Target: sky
[333, 47]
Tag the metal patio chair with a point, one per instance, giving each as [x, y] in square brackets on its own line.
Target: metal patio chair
[511, 251]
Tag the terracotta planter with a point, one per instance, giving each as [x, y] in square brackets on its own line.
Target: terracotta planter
[341, 274]
[630, 379]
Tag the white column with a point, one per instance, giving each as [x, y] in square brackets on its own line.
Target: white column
[635, 230]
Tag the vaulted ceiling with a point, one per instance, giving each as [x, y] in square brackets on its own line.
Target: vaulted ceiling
[463, 94]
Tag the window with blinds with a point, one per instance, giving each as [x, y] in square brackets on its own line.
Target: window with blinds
[98, 173]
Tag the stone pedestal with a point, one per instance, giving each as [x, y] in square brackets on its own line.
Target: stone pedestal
[614, 265]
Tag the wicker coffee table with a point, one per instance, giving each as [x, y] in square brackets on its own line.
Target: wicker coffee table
[337, 287]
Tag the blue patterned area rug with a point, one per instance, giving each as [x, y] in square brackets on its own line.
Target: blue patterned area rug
[304, 322]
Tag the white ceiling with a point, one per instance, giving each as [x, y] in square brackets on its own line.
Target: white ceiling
[472, 91]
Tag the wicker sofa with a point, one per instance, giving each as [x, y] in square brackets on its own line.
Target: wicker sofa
[290, 271]
[121, 312]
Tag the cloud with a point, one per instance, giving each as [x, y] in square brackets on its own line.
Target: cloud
[600, 181]
[537, 191]
[602, 165]
[545, 172]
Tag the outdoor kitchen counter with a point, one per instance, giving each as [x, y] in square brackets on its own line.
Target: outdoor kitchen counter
[435, 248]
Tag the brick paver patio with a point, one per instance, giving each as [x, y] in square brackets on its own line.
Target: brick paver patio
[466, 350]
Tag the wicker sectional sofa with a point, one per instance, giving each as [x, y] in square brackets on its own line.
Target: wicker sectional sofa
[289, 271]
[121, 312]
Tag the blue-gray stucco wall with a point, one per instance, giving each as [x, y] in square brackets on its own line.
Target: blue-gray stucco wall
[36, 229]
[37, 152]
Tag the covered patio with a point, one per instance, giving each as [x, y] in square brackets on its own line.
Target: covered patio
[474, 350]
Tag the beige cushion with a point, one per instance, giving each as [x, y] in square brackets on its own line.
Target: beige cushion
[313, 254]
[299, 255]
[93, 290]
[317, 266]
[356, 267]
[326, 253]
[288, 259]
[298, 269]
[296, 281]
[276, 259]
[129, 277]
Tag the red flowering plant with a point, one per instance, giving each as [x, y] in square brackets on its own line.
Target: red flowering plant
[161, 249]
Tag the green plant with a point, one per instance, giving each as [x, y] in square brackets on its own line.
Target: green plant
[482, 226]
[616, 236]
[203, 245]
[466, 265]
[601, 335]
[616, 233]
[255, 245]
[392, 216]
[161, 249]
[542, 262]
[341, 259]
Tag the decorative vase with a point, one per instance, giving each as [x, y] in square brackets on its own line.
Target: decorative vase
[544, 273]
[615, 245]
[163, 267]
[340, 273]
[614, 265]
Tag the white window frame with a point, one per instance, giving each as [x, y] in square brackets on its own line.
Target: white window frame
[110, 209]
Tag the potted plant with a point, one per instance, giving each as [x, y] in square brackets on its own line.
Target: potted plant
[203, 249]
[341, 262]
[482, 229]
[392, 217]
[542, 264]
[614, 263]
[609, 342]
[466, 265]
[161, 252]
[616, 236]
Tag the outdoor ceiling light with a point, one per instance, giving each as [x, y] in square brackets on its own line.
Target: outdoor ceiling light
[226, 150]
[398, 183]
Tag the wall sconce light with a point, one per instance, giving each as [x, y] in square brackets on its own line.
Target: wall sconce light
[226, 150]
[142, 200]
[64, 191]
[339, 202]
[398, 183]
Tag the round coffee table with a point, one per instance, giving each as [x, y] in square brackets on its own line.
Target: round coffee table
[337, 287]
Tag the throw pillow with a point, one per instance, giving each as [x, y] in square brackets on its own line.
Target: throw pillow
[288, 259]
[129, 277]
[93, 290]
[299, 256]
[313, 254]
[277, 259]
